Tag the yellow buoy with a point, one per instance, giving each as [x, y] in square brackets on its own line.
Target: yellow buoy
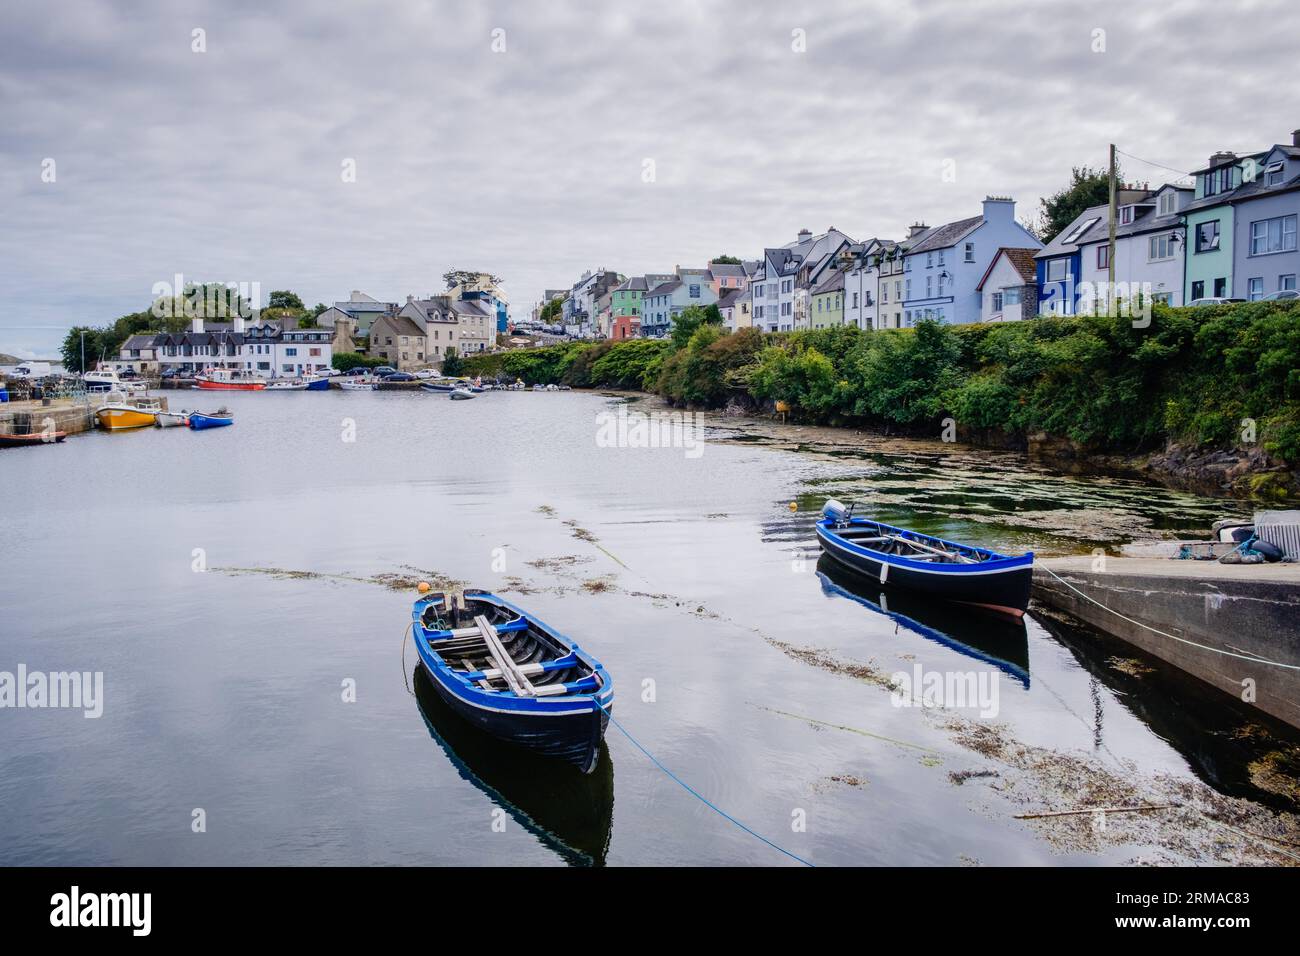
[794, 506]
[423, 587]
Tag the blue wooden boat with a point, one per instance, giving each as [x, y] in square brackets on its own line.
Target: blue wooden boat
[318, 384]
[919, 562]
[199, 420]
[513, 676]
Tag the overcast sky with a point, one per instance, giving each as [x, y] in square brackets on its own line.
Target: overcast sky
[529, 162]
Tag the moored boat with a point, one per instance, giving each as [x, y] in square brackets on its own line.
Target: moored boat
[286, 385]
[10, 440]
[229, 379]
[509, 674]
[920, 562]
[107, 380]
[441, 385]
[353, 385]
[201, 420]
[171, 419]
[317, 383]
[121, 416]
[461, 394]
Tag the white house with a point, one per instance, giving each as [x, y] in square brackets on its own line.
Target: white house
[1009, 289]
[783, 278]
[1148, 246]
[861, 283]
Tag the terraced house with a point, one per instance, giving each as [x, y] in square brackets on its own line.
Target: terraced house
[862, 263]
[665, 301]
[944, 265]
[781, 284]
[1266, 260]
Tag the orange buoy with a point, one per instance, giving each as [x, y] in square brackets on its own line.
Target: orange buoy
[423, 587]
[794, 506]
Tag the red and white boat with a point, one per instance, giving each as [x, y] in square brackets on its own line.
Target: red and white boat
[228, 379]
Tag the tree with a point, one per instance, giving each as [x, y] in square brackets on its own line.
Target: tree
[284, 299]
[320, 307]
[452, 364]
[455, 277]
[690, 319]
[1088, 187]
[551, 310]
[725, 261]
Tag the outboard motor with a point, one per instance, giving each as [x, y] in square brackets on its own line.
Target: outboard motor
[835, 511]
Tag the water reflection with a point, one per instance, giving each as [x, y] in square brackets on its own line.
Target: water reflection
[570, 812]
[982, 635]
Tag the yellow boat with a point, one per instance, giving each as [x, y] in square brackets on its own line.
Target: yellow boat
[119, 416]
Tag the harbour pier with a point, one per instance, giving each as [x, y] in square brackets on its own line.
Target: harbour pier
[1234, 626]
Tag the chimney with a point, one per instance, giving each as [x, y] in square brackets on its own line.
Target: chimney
[410, 299]
[356, 295]
[915, 229]
[196, 324]
[1219, 158]
[1002, 208]
[804, 235]
[237, 322]
[1295, 137]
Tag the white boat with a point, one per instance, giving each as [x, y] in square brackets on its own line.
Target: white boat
[171, 419]
[107, 380]
[353, 385]
[460, 394]
[286, 385]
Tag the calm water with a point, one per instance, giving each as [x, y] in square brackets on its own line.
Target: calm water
[224, 689]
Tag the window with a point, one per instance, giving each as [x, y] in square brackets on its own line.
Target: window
[787, 285]
[1076, 233]
[1168, 203]
[1160, 247]
[1272, 235]
[997, 301]
[929, 260]
[1011, 296]
[1207, 236]
[1220, 288]
[970, 252]
[1164, 298]
[1255, 289]
[1103, 256]
[314, 353]
[1217, 181]
[1273, 174]
[1198, 289]
[855, 300]
[929, 284]
[940, 257]
[909, 288]
[1286, 283]
[884, 292]
[1126, 215]
[695, 292]
[1058, 270]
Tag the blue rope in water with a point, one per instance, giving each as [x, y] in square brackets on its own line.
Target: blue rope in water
[696, 794]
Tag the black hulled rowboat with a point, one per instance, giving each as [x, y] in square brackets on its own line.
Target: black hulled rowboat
[929, 565]
[512, 676]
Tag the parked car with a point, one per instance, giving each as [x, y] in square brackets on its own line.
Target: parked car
[1278, 296]
[358, 370]
[329, 372]
[129, 375]
[382, 370]
[399, 377]
[171, 373]
[424, 373]
[1212, 300]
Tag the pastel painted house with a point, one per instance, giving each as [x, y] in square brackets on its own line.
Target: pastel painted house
[826, 305]
[665, 301]
[782, 280]
[944, 265]
[1009, 288]
[1060, 262]
[862, 281]
[1149, 240]
[1266, 260]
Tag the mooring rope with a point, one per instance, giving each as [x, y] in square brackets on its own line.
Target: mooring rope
[695, 793]
[405, 680]
[1172, 637]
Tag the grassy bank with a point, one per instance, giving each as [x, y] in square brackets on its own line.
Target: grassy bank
[1219, 377]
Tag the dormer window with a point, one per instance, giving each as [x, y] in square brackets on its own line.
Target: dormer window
[1168, 203]
[1126, 215]
[1273, 174]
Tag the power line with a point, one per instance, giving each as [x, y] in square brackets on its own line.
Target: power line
[1180, 172]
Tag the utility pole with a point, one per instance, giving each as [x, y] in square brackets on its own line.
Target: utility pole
[83, 351]
[1110, 252]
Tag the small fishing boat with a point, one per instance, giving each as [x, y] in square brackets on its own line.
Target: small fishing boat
[229, 379]
[286, 385]
[353, 385]
[201, 420]
[171, 419]
[919, 562]
[509, 674]
[317, 383]
[10, 440]
[120, 416]
[461, 394]
[442, 384]
[107, 380]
